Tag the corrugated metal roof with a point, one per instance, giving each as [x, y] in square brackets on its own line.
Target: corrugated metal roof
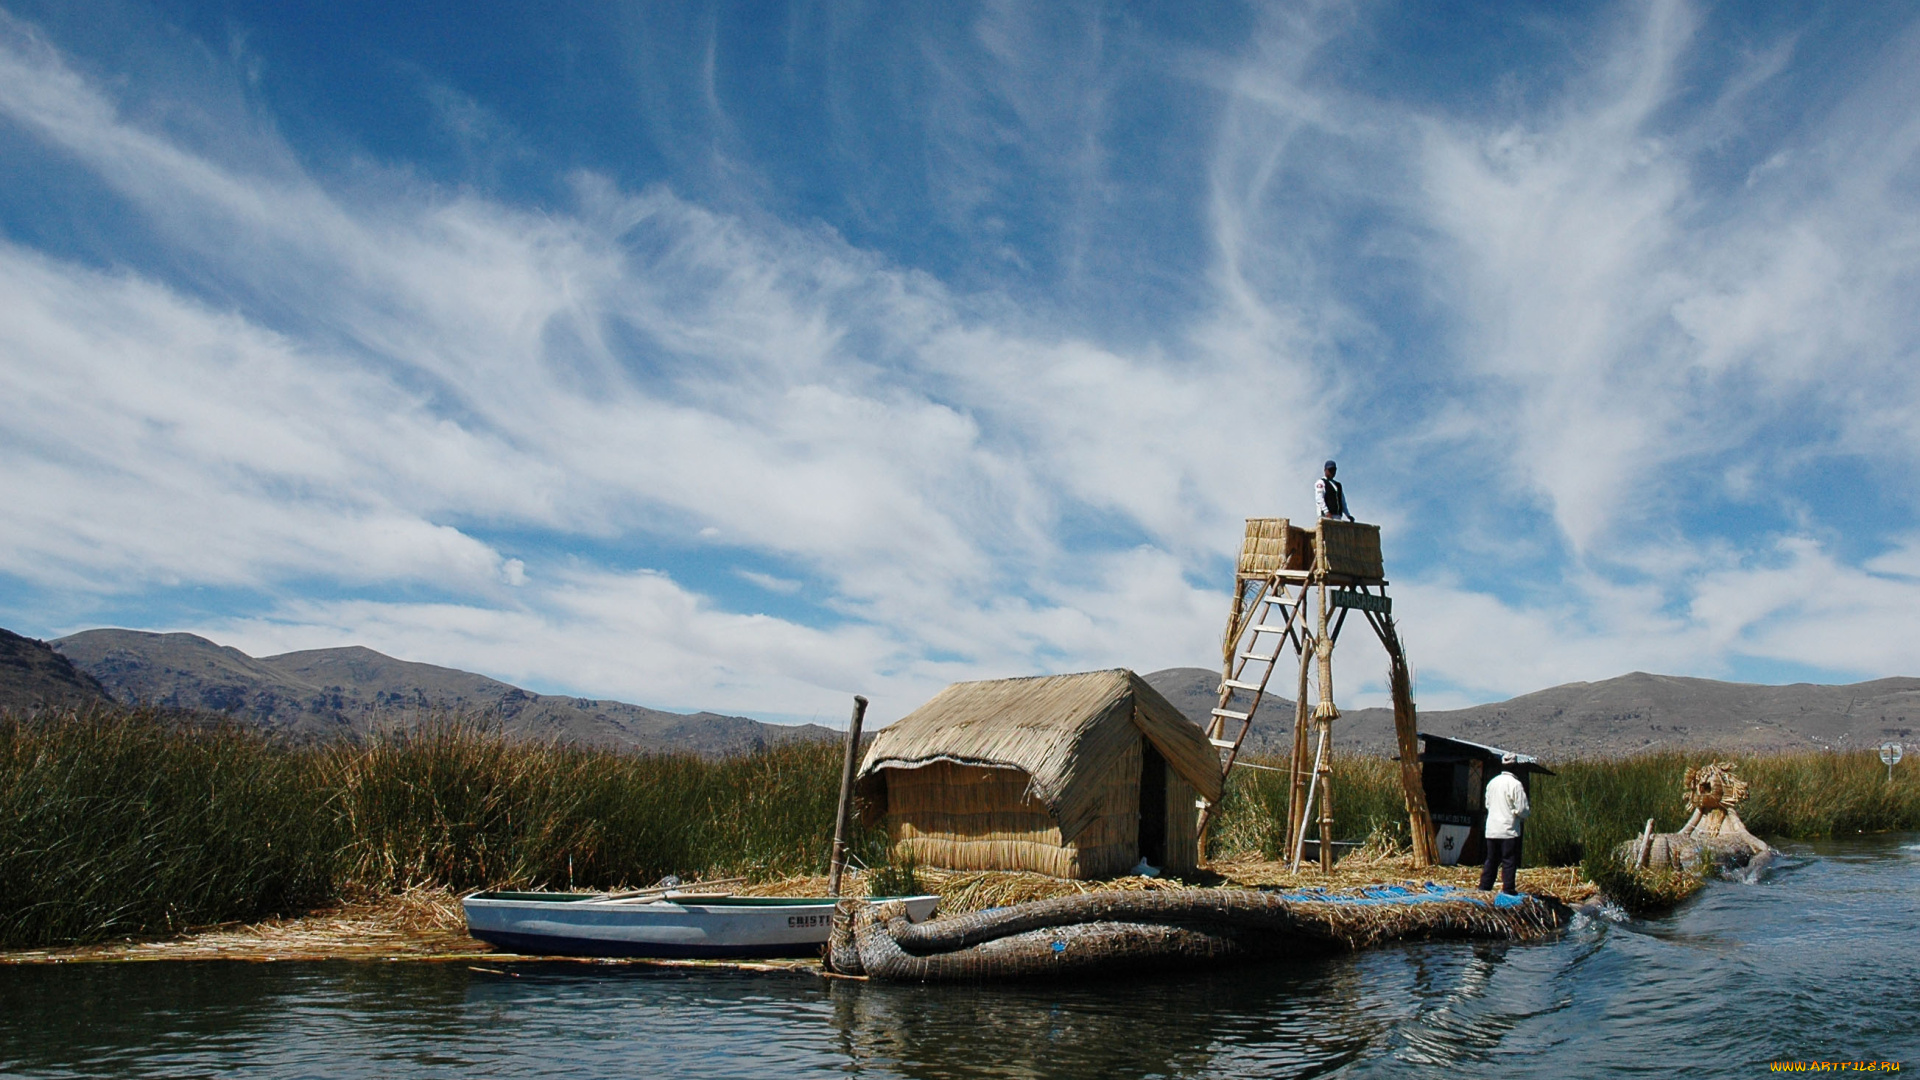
[1446, 744]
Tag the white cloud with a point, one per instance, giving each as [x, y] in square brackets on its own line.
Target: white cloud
[642, 364]
[392, 374]
[783, 586]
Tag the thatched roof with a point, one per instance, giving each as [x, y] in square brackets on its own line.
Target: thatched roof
[1064, 731]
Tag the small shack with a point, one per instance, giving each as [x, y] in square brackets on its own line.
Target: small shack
[1078, 776]
[1454, 773]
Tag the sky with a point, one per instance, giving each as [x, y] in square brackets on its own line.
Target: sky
[745, 357]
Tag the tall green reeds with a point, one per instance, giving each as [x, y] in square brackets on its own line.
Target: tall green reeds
[1253, 810]
[121, 822]
[1593, 805]
[115, 823]
[127, 823]
[1596, 804]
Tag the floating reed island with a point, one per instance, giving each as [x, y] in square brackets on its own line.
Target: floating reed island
[1118, 930]
[141, 834]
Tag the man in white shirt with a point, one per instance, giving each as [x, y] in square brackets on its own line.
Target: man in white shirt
[1506, 809]
[1329, 497]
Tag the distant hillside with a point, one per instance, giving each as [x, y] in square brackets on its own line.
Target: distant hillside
[1618, 716]
[33, 676]
[331, 693]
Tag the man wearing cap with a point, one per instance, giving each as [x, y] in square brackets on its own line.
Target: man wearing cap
[1330, 498]
[1506, 809]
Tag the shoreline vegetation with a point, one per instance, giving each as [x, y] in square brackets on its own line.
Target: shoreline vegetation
[122, 824]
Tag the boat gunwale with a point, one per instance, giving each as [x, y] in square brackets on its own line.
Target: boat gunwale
[503, 899]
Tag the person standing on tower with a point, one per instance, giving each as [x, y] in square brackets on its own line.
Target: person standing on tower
[1330, 498]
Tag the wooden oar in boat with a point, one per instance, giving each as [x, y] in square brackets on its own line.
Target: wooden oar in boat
[701, 889]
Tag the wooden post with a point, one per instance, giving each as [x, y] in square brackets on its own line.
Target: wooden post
[838, 861]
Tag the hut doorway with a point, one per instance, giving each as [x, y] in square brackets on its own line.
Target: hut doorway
[1153, 804]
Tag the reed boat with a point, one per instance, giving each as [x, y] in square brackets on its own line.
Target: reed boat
[673, 925]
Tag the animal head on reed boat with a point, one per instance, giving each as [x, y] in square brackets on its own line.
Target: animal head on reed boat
[1714, 787]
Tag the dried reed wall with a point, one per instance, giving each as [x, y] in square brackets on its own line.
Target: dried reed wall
[1274, 544]
[971, 817]
[1351, 548]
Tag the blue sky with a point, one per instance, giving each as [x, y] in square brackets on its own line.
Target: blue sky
[746, 357]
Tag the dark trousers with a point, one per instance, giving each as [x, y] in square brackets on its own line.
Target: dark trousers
[1506, 855]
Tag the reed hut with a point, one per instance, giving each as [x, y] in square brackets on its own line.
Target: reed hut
[1078, 776]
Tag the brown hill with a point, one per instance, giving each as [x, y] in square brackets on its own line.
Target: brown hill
[33, 677]
[1617, 716]
[333, 693]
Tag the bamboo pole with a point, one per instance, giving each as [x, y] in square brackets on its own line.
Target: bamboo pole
[1300, 841]
[1406, 729]
[838, 862]
[1325, 712]
[1325, 772]
[1299, 763]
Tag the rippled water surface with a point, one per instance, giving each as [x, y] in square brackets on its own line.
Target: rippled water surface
[1822, 961]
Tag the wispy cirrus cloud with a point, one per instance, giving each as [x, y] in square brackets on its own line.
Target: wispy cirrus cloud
[695, 452]
[637, 365]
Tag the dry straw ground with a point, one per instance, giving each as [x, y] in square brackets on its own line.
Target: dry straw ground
[426, 923]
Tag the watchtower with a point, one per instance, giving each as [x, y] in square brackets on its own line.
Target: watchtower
[1293, 588]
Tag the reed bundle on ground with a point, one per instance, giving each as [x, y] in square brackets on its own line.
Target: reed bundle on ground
[1114, 930]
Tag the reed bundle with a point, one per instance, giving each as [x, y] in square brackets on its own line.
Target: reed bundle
[1116, 930]
[1274, 544]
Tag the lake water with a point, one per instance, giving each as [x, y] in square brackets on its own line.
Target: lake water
[1821, 962]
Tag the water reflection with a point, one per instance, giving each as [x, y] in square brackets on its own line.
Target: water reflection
[1303, 1019]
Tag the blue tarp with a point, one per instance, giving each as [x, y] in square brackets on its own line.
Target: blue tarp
[1397, 894]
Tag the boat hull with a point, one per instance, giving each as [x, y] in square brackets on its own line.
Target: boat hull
[734, 928]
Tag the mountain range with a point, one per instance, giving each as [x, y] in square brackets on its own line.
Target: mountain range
[347, 692]
[33, 677]
[1628, 714]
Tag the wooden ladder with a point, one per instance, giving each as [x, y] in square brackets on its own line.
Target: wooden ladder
[1254, 643]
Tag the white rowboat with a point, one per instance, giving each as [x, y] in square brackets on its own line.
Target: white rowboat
[677, 925]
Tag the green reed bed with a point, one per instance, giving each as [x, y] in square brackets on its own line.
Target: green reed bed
[132, 822]
[1592, 805]
[1253, 810]
[129, 823]
[116, 823]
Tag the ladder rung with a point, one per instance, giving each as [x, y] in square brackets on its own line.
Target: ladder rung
[1236, 684]
[1257, 656]
[1264, 629]
[1224, 744]
[1281, 600]
[1230, 714]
